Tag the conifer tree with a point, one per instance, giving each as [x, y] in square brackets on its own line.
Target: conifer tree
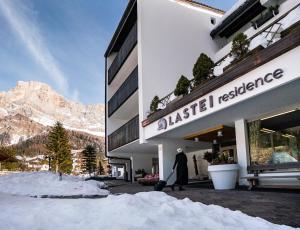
[89, 159]
[59, 149]
[202, 69]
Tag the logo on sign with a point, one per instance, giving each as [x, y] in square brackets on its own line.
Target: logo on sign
[162, 124]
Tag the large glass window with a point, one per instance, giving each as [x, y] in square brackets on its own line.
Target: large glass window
[275, 139]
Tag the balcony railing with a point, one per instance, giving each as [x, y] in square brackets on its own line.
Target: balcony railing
[263, 39]
[128, 88]
[124, 135]
[123, 53]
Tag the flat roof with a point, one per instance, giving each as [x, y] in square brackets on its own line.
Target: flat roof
[130, 14]
[121, 26]
[203, 6]
[240, 14]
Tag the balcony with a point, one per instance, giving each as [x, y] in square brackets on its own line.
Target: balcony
[272, 41]
[123, 53]
[128, 88]
[124, 135]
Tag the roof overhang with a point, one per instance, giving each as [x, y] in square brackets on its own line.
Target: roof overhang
[127, 21]
[238, 18]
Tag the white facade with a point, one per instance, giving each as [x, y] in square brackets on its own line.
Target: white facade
[171, 35]
[160, 39]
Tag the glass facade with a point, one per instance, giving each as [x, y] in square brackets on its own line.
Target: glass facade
[276, 139]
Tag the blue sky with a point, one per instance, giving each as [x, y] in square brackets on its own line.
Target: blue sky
[61, 42]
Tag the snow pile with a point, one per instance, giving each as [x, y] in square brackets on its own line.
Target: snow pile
[153, 210]
[47, 183]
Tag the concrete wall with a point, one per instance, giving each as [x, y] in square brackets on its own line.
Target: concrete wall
[171, 37]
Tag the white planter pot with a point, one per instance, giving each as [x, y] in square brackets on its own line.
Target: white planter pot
[223, 176]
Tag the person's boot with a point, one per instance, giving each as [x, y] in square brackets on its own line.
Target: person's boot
[173, 187]
[181, 188]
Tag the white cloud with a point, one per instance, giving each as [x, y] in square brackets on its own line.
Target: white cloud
[18, 16]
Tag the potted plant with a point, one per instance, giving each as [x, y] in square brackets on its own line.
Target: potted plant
[182, 87]
[154, 105]
[223, 171]
[203, 69]
[240, 47]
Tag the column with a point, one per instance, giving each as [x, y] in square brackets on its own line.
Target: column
[242, 149]
[166, 154]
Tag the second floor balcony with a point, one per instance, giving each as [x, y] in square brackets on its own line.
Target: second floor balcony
[128, 88]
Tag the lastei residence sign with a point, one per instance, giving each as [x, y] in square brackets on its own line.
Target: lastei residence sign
[210, 101]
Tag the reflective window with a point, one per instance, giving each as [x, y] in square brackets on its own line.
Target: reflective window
[276, 139]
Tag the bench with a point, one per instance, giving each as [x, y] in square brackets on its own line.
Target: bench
[257, 170]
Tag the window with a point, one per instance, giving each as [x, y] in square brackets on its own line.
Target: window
[276, 139]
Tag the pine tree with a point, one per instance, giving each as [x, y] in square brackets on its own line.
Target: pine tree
[59, 149]
[89, 159]
[101, 169]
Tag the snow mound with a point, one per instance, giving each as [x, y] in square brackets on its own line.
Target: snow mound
[48, 184]
[152, 210]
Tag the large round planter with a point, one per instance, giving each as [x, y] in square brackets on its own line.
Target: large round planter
[224, 176]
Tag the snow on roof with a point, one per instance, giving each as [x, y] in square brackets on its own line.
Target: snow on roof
[238, 4]
[201, 5]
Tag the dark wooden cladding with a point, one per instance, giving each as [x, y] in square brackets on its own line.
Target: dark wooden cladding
[257, 59]
[124, 135]
[123, 53]
[125, 91]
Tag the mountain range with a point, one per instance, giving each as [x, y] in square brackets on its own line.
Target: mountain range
[31, 108]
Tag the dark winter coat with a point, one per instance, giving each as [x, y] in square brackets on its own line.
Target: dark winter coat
[182, 169]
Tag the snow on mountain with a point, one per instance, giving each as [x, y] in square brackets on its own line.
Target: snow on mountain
[40, 103]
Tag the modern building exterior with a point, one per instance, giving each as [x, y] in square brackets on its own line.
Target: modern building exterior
[251, 106]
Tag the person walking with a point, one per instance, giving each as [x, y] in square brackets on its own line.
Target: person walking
[181, 170]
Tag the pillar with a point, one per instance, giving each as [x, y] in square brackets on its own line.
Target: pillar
[242, 147]
[167, 151]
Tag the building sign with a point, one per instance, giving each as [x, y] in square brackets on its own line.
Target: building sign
[209, 102]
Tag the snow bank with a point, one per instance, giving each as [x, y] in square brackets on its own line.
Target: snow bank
[47, 183]
[153, 210]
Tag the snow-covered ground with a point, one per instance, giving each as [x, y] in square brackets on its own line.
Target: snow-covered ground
[47, 183]
[152, 210]
[149, 210]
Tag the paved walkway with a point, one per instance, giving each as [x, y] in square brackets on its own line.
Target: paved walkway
[276, 207]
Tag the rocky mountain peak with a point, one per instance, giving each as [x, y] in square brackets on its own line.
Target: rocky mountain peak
[40, 103]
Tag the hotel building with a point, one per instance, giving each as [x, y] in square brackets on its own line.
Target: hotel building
[251, 106]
